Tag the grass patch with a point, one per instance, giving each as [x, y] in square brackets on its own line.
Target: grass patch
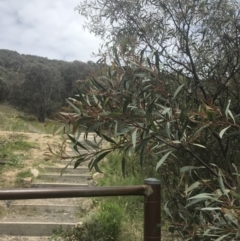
[23, 145]
[16, 124]
[19, 181]
[132, 226]
[24, 174]
[112, 172]
[103, 225]
[12, 150]
[17, 121]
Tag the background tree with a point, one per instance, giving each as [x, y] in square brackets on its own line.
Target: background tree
[171, 97]
[42, 91]
[16, 69]
[74, 73]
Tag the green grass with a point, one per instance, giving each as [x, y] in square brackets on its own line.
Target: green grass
[24, 174]
[17, 121]
[13, 149]
[112, 172]
[16, 124]
[132, 229]
[21, 175]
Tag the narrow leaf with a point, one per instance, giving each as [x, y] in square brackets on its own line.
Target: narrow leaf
[204, 196]
[231, 115]
[134, 138]
[142, 54]
[142, 156]
[91, 144]
[97, 84]
[193, 186]
[196, 144]
[211, 208]
[108, 139]
[194, 201]
[236, 195]
[80, 96]
[223, 131]
[157, 61]
[227, 108]
[78, 162]
[76, 142]
[76, 149]
[166, 209]
[74, 107]
[189, 168]
[200, 129]
[64, 169]
[177, 91]
[58, 130]
[221, 183]
[149, 62]
[163, 159]
[115, 129]
[97, 159]
[125, 105]
[222, 237]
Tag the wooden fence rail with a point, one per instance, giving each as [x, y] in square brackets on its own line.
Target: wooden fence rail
[151, 190]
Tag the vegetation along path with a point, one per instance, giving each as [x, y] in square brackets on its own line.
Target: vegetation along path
[33, 220]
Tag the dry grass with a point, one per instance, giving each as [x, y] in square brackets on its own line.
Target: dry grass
[17, 121]
[23, 142]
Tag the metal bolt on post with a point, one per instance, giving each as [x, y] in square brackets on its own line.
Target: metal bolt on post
[152, 210]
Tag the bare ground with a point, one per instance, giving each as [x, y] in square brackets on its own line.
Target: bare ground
[34, 156]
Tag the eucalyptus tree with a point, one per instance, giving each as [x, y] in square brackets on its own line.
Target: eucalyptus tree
[191, 46]
[41, 91]
[170, 97]
[197, 38]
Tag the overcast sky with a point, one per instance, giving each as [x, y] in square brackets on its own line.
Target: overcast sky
[46, 28]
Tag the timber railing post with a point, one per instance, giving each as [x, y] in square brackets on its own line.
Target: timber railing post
[152, 210]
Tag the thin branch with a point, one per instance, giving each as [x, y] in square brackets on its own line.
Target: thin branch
[207, 166]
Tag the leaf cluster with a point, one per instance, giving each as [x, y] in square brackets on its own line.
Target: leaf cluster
[138, 114]
[174, 104]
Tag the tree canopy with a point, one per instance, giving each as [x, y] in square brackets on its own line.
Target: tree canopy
[169, 95]
[42, 87]
[38, 85]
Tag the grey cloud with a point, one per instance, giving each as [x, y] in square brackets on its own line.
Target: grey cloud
[46, 28]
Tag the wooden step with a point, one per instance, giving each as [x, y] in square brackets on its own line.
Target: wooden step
[66, 162]
[57, 184]
[44, 208]
[31, 228]
[76, 178]
[69, 169]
